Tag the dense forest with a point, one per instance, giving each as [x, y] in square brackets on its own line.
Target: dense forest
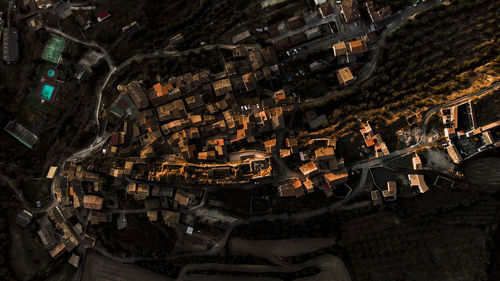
[7, 202]
[421, 62]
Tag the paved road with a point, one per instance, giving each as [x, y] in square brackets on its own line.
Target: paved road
[332, 269]
[303, 28]
[392, 23]
[284, 171]
[107, 57]
[436, 109]
[219, 245]
[364, 166]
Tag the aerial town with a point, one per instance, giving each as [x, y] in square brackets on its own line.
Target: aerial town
[250, 140]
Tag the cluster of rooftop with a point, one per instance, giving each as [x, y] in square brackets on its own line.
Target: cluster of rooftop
[319, 172]
[198, 117]
[464, 137]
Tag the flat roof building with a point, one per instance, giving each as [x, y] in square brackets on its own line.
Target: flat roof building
[345, 77]
[21, 134]
[339, 48]
[336, 178]
[52, 172]
[454, 154]
[10, 45]
[376, 198]
[324, 153]
[136, 93]
[390, 193]
[356, 47]
[131, 29]
[418, 181]
[222, 87]
[92, 202]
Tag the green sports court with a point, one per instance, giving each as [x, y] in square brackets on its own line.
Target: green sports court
[53, 49]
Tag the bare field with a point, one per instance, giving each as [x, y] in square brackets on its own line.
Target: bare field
[100, 268]
[279, 248]
[483, 174]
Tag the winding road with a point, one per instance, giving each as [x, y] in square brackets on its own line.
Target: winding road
[391, 24]
[101, 139]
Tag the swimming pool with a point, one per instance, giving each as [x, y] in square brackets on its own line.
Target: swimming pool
[46, 92]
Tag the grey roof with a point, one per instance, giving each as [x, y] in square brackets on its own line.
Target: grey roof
[10, 45]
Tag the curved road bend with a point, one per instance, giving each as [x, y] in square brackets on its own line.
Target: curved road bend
[358, 189]
[99, 140]
[222, 242]
[304, 215]
[365, 165]
[398, 21]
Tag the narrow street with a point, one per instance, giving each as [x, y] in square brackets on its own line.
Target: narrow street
[391, 24]
[285, 172]
[363, 165]
[304, 28]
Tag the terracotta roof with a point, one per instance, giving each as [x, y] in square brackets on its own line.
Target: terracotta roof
[309, 185]
[182, 197]
[336, 177]
[164, 89]
[92, 202]
[344, 76]
[256, 59]
[222, 87]
[194, 101]
[170, 217]
[270, 145]
[349, 9]
[308, 168]
[324, 153]
[357, 47]
[207, 155]
[418, 181]
[285, 153]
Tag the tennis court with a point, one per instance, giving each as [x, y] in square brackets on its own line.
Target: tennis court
[53, 49]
